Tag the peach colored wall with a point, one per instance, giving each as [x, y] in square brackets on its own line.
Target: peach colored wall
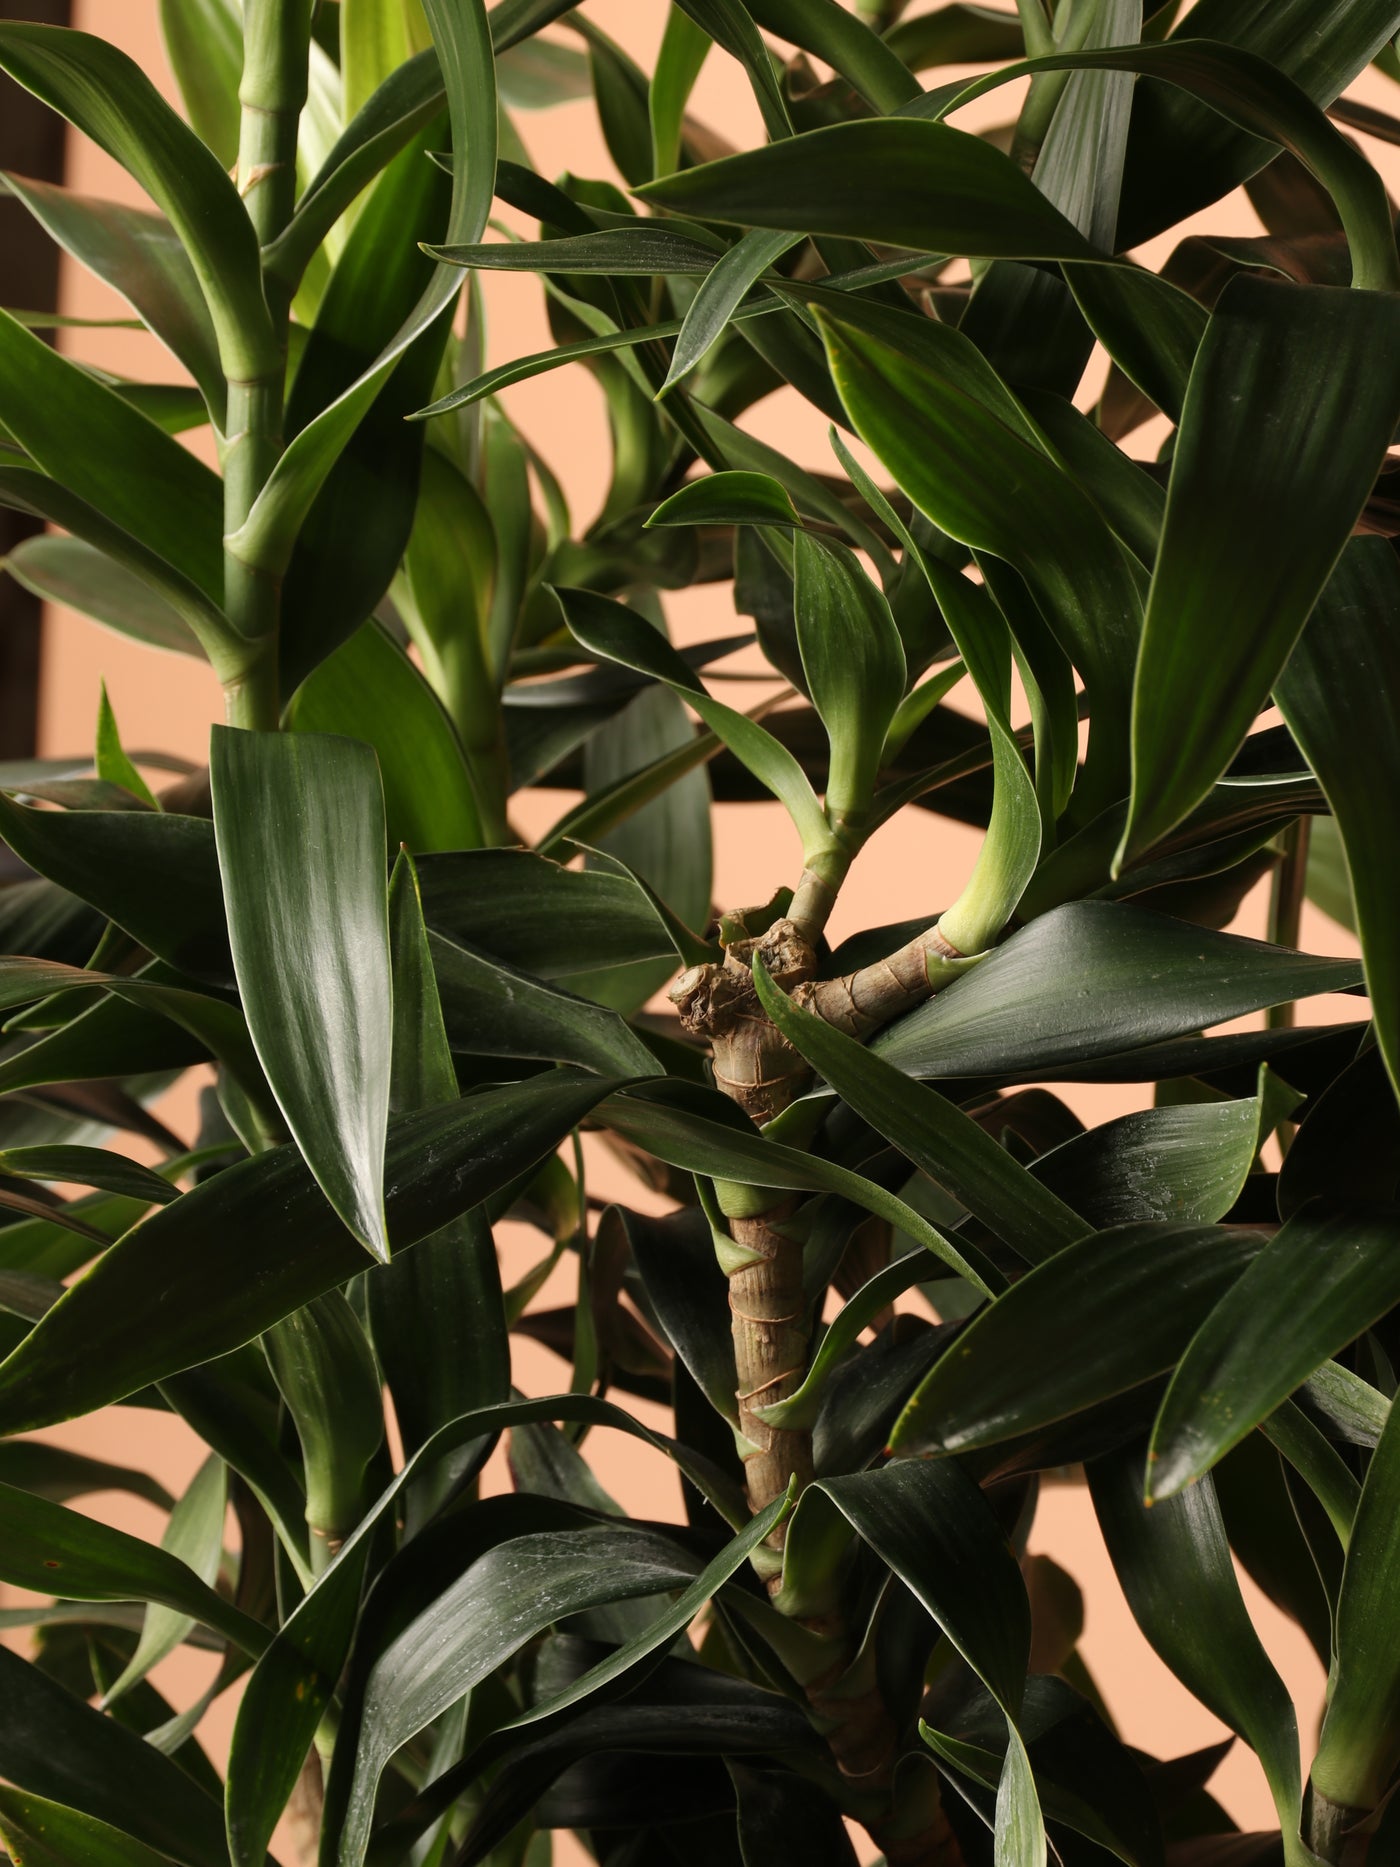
[167, 703]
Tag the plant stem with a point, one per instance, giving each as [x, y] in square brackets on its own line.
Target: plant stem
[276, 53]
[1286, 897]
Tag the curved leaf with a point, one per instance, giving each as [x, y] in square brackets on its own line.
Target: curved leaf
[1025, 1006]
[931, 1132]
[45, 1834]
[1260, 1342]
[299, 821]
[1131, 1298]
[1200, 684]
[194, 1535]
[242, 1250]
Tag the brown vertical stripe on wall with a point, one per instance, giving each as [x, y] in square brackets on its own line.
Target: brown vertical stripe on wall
[31, 143]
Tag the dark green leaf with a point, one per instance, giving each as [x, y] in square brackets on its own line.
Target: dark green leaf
[89, 1166]
[369, 690]
[99, 449]
[1199, 685]
[300, 825]
[45, 1834]
[1174, 1564]
[1025, 1006]
[935, 1135]
[1130, 1297]
[1260, 1342]
[50, 1549]
[1338, 693]
[139, 255]
[193, 1535]
[55, 1747]
[729, 498]
[56, 1473]
[895, 180]
[1361, 1729]
[263, 1237]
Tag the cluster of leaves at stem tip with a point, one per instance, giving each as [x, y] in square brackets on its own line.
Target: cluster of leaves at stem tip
[1100, 565]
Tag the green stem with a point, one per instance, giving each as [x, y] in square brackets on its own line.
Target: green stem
[272, 93]
[253, 699]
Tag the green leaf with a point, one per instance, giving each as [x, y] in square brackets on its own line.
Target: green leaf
[491, 1010]
[616, 633]
[436, 1315]
[408, 99]
[294, 1680]
[56, 1473]
[930, 1524]
[139, 255]
[204, 41]
[1261, 99]
[829, 32]
[1130, 1297]
[647, 250]
[956, 34]
[730, 25]
[721, 294]
[854, 663]
[108, 97]
[931, 1132]
[54, 1747]
[1199, 685]
[1338, 693]
[894, 180]
[462, 40]
[1150, 328]
[682, 52]
[354, 535]
[376, 38]
[1360, 1739]
[729, 498]
[299, 819]
[69, 572]
[29, 491]
[1011, 849]
[1174, 1564]
[667, 1120]
[50, 1549]
[101, 451]
[1188, 1162]
[113, 765]
[931, 408]
[195, 1536]
[45, 1834]
[242, 1250]
[1025, 1009]
[1260, 1342]
[369, 690]
[154, 873]
[511, 1592]
[543, 918]
[89, 1166]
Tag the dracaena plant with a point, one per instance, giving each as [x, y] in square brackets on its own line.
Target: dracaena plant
[1141, 630]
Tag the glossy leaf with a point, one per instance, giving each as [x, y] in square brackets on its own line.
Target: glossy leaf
[1361, 1728]
[44, 1834]
[1174, 1564]
[370, 691]
[97, 446]
[89, 1166]
[139, 255]
[1024, 1007]
[1227, 495]
[1259, 1344]
[300, 828]
[934, 1135]
[854, 663]
[1131, 1296]
[47, 1547]
[436, 1314]
[462, 41]
[723, 291]
[1339, 688]
[107, 95]
[56, 1748]
[895, 180]
[268, 1242]
[729, 498]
